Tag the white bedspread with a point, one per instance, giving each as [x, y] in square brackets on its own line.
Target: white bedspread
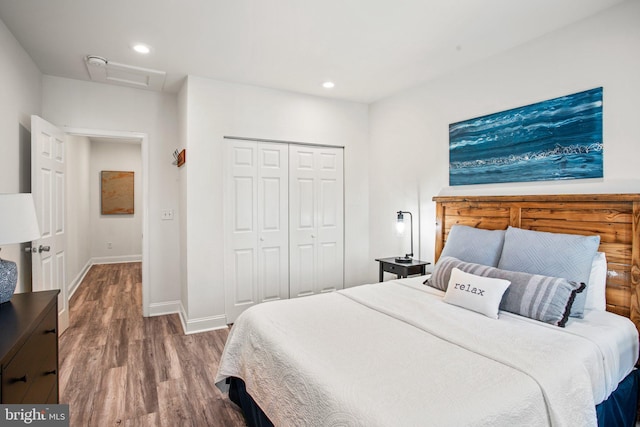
[394, 354]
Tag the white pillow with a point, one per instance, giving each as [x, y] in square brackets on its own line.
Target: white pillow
[596, 289]
[477, 293]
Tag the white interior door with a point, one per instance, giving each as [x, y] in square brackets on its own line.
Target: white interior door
[330, 212]
[316, 215]
[273, 221]
[47, 186]
[302, 218]
[257, 226]
[241, 228]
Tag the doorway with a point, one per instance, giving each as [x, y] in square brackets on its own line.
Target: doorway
[103, 139]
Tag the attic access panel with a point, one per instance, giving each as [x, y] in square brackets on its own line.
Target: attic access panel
[127, 75]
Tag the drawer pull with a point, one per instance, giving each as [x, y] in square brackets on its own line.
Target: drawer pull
[22, 379]
[50, 331]
[52, 372]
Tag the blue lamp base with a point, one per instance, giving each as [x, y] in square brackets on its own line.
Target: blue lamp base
[8, 279]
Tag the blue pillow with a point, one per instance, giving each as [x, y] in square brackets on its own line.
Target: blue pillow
[551, 254]
[474, 245]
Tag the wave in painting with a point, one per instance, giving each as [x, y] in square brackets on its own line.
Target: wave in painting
[557, 151]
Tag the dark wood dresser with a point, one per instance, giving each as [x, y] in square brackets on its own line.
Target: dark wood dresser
[29, 348]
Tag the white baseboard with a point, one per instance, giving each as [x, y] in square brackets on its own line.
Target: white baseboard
[162, 308]
[73, 286]
[63, 321]
[116, 259]
[202, 324]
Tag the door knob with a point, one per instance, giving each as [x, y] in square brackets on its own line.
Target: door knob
[44, 248]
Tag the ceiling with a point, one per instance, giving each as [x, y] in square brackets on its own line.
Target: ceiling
[369, 48]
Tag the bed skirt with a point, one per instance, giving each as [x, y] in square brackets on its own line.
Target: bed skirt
[253, 415]
[619, 410]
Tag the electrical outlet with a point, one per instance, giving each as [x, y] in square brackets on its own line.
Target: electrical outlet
[109, 245]
[167, 214]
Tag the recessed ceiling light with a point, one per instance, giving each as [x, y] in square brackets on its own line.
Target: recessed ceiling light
[328, 85]
[141, 48]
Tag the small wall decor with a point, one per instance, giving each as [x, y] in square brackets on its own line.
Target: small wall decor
[182, 157]
[179, 157]
[560, 138]
[117, 192]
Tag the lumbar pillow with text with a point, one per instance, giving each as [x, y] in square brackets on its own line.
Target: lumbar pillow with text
[476, 293]
[544, 298]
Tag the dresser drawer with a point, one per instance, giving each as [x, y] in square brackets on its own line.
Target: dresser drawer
[45, 380]
[32, 372]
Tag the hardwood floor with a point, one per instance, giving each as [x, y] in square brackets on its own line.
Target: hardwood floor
[120, 369]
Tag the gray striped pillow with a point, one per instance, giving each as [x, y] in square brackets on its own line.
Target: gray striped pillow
[543, 298]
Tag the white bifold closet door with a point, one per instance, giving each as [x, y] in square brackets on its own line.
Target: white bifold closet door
[316, 224]
[256, 225]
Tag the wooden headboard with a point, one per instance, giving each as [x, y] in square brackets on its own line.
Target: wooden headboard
[615, 217]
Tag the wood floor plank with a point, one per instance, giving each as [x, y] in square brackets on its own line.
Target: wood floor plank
[141, 394]
[119, 368]
[109, 406]
[147, 420]
[176, 404]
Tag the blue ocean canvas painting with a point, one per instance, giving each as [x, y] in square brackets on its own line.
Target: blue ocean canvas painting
[560, 138]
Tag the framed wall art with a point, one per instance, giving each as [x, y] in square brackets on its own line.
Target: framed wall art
[557, 139]
[117, 192]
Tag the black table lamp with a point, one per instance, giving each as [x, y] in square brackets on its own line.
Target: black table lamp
[408, 258]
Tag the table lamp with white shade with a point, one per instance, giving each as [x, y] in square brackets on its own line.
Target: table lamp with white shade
[18, 224]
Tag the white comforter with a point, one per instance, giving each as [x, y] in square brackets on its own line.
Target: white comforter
[394, 354]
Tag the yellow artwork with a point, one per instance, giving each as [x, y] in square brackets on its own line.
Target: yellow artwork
[117, 192]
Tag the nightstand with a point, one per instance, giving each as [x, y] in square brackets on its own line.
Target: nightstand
[401, 269]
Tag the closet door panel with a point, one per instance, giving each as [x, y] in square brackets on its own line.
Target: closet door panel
[271, 274]
[244, 269]
[330, 267]
[241, 230]
[244, 200]
[330, 219]
[316, 214]
[243, 235]
[303, 261]
[271, 211]
[305, 204]
[302, 221]
[273, 221]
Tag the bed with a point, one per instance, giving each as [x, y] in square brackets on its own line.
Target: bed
[394, 353]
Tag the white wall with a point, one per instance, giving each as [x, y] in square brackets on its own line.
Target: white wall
[80, 104]
[409, 131]
[21, 92]
[183, 114]
[123, 232]
[77, 191]
[215, 109]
